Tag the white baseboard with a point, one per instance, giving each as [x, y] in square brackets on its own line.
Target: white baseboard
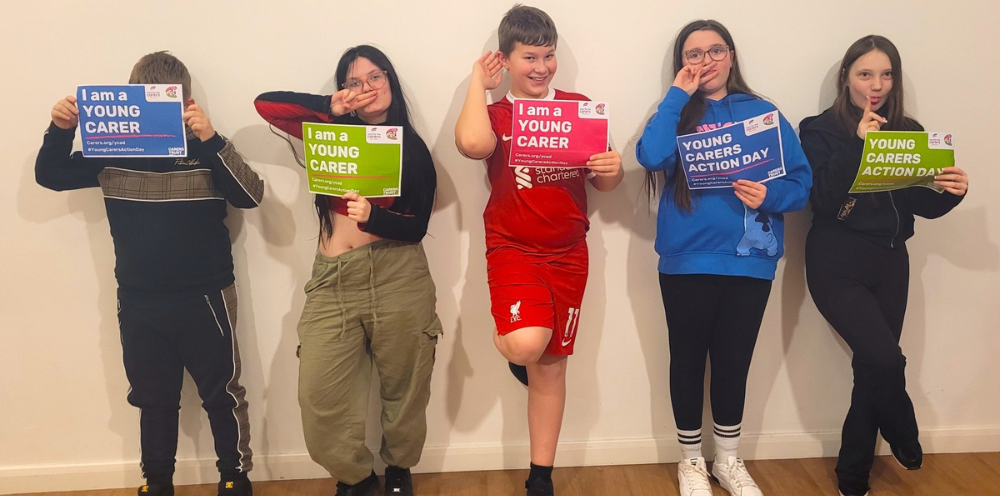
[481, 457]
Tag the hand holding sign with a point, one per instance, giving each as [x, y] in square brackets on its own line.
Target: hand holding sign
[65, 115]
[605, 164]
[689, 78]
[954, 180]
[487, 70]
[358, 207]
[195, 118]
[870, 121]
[346, 101]
[751, 193]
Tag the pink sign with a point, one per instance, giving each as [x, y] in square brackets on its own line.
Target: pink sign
[557, 133]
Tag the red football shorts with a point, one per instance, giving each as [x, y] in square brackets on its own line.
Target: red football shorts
[527, 293]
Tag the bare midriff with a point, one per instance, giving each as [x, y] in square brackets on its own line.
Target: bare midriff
[345, 237]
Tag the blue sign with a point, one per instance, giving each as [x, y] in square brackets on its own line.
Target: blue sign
[750, 150]
[134, 120]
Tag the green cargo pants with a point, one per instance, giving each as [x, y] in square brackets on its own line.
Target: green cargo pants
[373, 303]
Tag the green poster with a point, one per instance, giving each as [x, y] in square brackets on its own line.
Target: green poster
[900, 159]
[341, 158]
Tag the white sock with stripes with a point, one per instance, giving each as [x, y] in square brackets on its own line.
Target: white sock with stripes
[690, 442]
[727, 441]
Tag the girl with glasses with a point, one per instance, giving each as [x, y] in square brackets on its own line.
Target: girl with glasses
[857, 266]
[718, 250]
[371, 297]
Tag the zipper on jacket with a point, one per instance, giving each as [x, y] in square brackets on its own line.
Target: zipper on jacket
[892, 242]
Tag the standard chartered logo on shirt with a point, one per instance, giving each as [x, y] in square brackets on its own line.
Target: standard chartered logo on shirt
[523, 177]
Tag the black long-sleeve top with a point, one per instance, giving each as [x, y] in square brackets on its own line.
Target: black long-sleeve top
[404, 218]
[166, 213]
[835, 153]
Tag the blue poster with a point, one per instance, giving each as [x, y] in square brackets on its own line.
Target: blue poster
[133, 120]
[750, 150]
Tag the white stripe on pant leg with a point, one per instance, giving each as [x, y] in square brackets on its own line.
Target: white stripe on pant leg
[236, 403]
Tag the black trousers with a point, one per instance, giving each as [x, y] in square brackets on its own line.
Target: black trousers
[161, 336]
[718, 317]
[861, 289]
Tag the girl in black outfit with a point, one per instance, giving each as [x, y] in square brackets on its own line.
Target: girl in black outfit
[857, 266]
[371, 297]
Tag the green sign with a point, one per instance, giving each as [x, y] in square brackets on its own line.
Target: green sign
[342, 158]
[900, 159]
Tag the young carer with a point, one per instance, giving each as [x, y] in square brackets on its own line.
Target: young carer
[718, 250]
[176, 290]
[536, 246]
[371, 297]
[857, 266]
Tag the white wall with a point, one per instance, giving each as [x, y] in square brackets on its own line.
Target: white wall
[62, 387]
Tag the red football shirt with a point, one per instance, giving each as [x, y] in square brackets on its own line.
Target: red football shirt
[538, 211]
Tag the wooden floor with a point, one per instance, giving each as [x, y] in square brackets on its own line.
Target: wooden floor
[972, 474]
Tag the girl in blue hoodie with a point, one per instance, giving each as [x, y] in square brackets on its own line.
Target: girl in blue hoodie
[718, 250]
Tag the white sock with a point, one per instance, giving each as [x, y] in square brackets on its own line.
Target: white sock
[727, 441]
[690, 442]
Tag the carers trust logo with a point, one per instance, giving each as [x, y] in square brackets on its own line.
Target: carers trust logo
[152, 92]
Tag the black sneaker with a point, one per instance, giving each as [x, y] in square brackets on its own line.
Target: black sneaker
[398, 481]
[520, 372]
[909, 455]
[539, 487]
[237, 487]
[852, 489]
[367, 487]
[156, 490]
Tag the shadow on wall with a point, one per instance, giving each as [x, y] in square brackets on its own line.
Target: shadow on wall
[275, 222]
[643, 277]
[38, 205]
[290, 240]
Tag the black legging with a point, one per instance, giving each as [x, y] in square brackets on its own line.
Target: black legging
[717, 316]
[861, 290]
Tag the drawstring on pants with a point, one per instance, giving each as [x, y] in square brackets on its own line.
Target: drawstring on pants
[340, 299]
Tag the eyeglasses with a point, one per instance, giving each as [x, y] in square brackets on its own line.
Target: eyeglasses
[376, 80]
[716, 53]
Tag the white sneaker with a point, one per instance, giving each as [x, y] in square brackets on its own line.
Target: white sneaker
[732, 475]
[692, 477]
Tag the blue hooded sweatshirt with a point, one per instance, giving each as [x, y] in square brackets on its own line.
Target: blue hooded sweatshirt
[721, 235]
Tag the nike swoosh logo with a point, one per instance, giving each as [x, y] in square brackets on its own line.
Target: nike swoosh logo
[566, 342]
[505, 137]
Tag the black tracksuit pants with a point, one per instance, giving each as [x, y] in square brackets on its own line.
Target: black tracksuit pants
[861, 290]
[164, 334]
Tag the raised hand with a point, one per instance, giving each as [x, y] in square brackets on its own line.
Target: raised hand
[346, 101]
[689, 77]
[65, 114]
[486, 70]
[196, 119]
[870, 121]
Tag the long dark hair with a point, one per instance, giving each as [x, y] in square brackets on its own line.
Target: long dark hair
[415, 183]
[693, 112]
[846, 111]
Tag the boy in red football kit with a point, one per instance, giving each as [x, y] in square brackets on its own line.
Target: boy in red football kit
[536, 228]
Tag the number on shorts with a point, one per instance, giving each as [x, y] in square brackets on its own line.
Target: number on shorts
[572, 322]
